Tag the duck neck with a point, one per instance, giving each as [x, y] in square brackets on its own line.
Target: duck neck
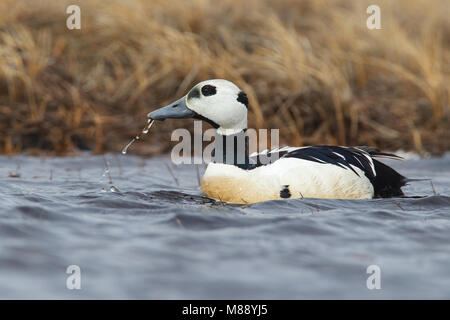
[231, 149]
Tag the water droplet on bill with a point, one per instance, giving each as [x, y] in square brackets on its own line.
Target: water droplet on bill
[150, 123]
[124, 150]
[144, 131]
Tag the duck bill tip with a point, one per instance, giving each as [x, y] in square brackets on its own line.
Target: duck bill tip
[175, 110]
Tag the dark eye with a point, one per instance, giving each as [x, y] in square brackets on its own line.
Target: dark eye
[208, 90]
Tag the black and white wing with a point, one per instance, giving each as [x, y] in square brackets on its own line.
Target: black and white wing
[386, 181]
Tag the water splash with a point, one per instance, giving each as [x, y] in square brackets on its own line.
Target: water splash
[149, 125]
[114, 189]
[124, 150]
[111, 189]
[137, 137]
[105, 172]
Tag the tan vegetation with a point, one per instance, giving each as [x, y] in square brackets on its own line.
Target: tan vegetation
[309, 67]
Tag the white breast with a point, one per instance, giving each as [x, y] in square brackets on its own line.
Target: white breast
[305, 178]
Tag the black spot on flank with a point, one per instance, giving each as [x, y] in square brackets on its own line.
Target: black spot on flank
[194, 93]
[285, 193]
[208, 90]
[242, 98]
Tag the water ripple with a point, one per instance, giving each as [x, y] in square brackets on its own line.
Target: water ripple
[141, 234]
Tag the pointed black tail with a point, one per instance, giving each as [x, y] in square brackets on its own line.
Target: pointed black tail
[388, 182]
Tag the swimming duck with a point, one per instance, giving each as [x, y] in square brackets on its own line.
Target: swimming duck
[234, 176]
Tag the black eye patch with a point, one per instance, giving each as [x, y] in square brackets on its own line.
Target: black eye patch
[208, 90]
[242, 98]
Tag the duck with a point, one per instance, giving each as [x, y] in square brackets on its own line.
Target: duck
[235, 176]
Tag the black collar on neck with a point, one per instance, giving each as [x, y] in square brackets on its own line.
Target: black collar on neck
[232, 149]
[200, 117]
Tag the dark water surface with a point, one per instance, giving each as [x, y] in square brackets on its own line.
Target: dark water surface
[148, 238]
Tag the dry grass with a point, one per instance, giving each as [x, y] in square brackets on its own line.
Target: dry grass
[310, 68]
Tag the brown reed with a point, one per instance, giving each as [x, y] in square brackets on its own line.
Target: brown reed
[309, 67]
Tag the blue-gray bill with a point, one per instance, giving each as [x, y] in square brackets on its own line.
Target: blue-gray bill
[175, 110]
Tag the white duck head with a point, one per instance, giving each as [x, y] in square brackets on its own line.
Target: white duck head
[219, 102]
